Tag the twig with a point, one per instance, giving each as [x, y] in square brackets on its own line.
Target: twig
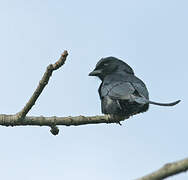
[168, 170]
[13, 120]
[43, 82]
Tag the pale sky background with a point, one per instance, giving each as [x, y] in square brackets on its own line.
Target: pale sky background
[151, 36]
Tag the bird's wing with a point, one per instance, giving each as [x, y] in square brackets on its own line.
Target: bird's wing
[123, 90]
[141, 89]
[117, 90]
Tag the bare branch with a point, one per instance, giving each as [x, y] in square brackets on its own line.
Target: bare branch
[168, 170]
[20, 118]
[43, 82]
[13, 120]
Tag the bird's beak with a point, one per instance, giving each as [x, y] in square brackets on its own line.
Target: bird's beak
[95, 72]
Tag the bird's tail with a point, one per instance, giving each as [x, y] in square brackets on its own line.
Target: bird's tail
[165, 104]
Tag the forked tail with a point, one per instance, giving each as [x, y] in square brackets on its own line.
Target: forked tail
[165, 104]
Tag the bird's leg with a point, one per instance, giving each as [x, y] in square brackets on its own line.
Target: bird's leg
[116, 118]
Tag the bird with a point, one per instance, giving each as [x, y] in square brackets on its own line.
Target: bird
[121, 92]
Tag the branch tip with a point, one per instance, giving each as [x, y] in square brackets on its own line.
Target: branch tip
[42, 83]
[65, 53]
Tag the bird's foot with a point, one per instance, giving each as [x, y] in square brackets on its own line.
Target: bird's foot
[116, 118]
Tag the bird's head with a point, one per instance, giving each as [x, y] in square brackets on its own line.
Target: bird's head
[110, 65]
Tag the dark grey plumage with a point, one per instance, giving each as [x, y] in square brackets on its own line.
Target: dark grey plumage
[121, 92]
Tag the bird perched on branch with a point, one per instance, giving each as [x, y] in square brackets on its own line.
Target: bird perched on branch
[121, 92]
